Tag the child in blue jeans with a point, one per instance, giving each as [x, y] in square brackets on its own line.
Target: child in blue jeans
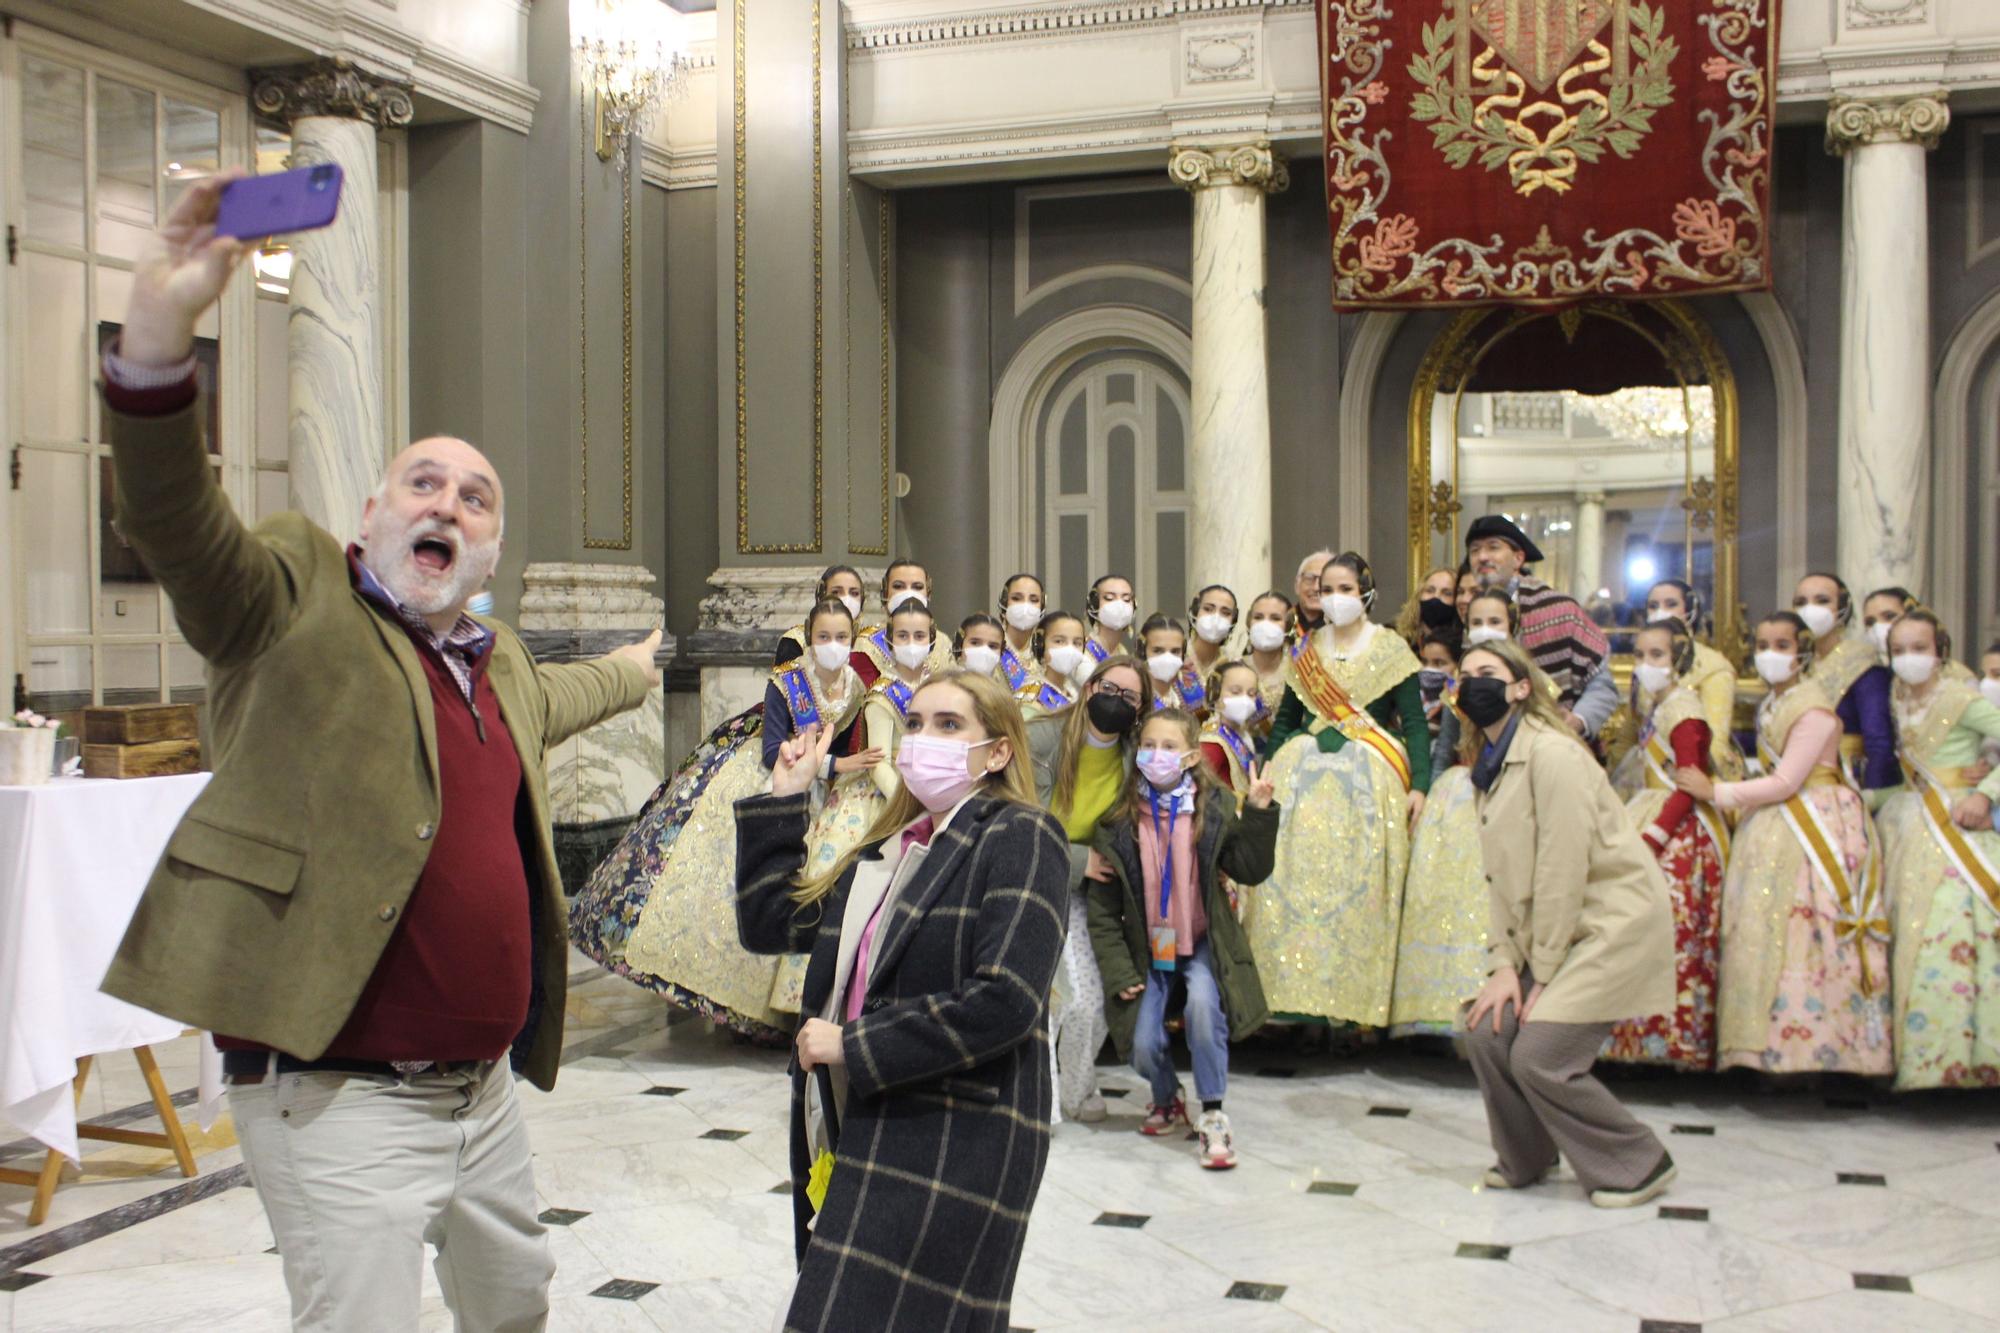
[1160, 918]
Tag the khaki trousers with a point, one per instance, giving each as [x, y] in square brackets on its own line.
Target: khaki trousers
[358, 1173]
[1541, 1099]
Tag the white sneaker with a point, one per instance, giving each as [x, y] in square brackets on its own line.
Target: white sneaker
[1093, 1110]
[1218, 1146]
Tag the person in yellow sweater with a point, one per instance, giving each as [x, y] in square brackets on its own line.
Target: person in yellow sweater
[1083, 760]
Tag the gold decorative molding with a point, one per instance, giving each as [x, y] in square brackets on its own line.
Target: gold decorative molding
[1686, 346]
[1854, 121]
[624, 541]
[1251, 164]
[331, 87]
[739, 108]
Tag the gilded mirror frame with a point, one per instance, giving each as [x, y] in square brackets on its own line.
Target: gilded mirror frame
[1689, 349]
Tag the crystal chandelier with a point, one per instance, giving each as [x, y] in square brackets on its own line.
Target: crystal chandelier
[1653, 416]
[628, 67]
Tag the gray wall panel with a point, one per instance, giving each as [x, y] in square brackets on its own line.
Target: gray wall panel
[684, 230]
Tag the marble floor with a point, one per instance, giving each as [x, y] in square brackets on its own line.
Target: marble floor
[660, 1159]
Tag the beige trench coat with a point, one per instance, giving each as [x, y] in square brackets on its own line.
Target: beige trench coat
[1575, 895]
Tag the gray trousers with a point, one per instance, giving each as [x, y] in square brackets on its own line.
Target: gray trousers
[1541, 1099]
[357, 1174]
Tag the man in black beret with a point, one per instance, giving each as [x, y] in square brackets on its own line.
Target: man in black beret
[1555, 630]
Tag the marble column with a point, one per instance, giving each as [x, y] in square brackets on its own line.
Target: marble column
[1588, 575]
[1885, 413]
[599, 778]
[1229, 458]
[334, 112]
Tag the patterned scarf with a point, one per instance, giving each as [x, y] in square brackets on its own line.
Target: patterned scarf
[1564, 642]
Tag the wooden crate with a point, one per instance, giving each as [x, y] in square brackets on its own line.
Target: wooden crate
[154, 759]
[139, 724]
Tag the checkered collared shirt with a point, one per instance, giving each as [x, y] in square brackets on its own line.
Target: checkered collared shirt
[460, 649]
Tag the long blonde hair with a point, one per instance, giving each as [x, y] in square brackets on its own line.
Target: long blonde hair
[1541, 701]
[1076, 718]
[1000, 717]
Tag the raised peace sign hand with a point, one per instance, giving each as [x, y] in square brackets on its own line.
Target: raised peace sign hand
[800, 760]
[1261, 788]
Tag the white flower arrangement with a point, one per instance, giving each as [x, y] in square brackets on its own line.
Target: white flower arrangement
[29, 719]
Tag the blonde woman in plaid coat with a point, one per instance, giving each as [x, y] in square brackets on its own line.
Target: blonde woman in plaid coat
[923, 1064]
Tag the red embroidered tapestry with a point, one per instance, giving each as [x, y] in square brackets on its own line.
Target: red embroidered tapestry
[1546, 150]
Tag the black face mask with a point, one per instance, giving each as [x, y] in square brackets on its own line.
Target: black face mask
[1111, 714]
[1437, 613]
[1483, 699]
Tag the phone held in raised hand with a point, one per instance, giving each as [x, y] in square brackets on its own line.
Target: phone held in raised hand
[285, 201]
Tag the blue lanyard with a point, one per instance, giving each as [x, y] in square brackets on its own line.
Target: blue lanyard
[1166, 852]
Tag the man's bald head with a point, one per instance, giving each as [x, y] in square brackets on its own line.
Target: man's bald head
[431, 532]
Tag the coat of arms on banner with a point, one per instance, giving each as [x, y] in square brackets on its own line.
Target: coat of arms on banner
[1546, 150]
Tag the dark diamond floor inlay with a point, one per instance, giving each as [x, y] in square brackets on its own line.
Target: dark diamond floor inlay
[1667, 1326]
[1473, 1250]
[782, 1187]
[1882, 1282]
[1392, 1112]
[1339, 1187]
[21, 1281]
[1254, 1291]
[1860, 1178]
[661, 1090]
[272, 1250]
[1277, 1073]
[1115, 1092]
[562, 1217]
[1847, 1103]
[624, 1289]
[1673, 1214]
[1129, 1221]
[726, 1135]
[1706, 1131]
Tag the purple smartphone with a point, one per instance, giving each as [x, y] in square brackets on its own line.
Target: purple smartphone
[286, 201]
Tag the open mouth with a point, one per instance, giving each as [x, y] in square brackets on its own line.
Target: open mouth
[433, 554]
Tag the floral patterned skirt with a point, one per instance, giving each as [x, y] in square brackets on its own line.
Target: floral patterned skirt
[1947, 957]
[1686, 1037]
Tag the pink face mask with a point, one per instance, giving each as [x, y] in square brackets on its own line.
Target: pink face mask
[937, 770]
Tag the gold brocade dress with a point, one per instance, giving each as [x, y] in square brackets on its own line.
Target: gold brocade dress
[1441, 941]
[1944, 906]
[1803, 982]
[1323, 927]
[1713, 681]
[685, 943]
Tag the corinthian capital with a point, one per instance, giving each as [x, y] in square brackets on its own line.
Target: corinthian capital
[1853, 121]
[1251, 164]
[335, 87]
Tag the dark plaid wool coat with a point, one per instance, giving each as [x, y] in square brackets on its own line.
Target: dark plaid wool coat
[946, 1127]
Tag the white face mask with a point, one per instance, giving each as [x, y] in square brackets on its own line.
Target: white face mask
[1878, 634]
[896, 599]
[1652, 678]
[1115, 615]
[1913, 668]
[1266, 635]
[1776, 668]
[853, 605]
[1991, 689]
[830, 656]
[1213, 628]
[1023, 616]
[1819, 619]
[910, 656]
[1164, 666]
[1064, 661]
[1343, 609]
[1656, 617]
[1240, 708]
[1479, 634]
[981, 660]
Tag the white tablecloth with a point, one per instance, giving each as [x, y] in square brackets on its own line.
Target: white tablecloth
[75, 856]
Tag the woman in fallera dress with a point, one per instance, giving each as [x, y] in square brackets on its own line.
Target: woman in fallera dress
[978, 645]
[1264, 645]
[658, 910]
[1163, 645]
[1213, 616]
[1228, 741]
[1688, 838]
[1943, 860]
[1846, 667]
[904, 581]
[837, 583]
[1060, 657]
[1804, 980]
[1022, 604]
[1712, 676]
[1350, 756]
[1112, 606]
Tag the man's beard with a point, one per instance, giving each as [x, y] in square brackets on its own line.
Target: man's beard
[391, 557]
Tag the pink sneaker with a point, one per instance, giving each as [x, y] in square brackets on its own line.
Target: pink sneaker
[1160, 1120]
[1218, 1147]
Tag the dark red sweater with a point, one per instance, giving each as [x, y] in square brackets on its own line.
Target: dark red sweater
[454, 981]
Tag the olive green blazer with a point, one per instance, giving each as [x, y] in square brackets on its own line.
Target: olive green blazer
[282, 885]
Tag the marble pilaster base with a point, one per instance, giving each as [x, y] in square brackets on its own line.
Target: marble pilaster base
[600, 778]
[334, 381]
